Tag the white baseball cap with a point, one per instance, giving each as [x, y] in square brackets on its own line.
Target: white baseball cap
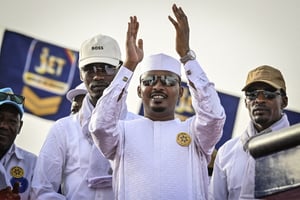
[161, 62]
[80, 89]
[100, 49]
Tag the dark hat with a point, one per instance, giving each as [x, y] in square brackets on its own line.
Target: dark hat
[265, 74]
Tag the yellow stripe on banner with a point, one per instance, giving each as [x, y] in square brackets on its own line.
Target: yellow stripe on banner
[40, 106]
[47, 84]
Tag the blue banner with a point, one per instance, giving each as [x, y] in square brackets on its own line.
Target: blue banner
[44, 73]
[40, 71]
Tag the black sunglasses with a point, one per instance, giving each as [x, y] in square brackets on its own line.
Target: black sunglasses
[105, 69]
[13, 97]
[252, 95]
[166, 80]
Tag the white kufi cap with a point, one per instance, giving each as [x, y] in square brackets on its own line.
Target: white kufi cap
[161, 62]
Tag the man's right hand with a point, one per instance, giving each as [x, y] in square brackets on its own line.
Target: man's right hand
[134, 47]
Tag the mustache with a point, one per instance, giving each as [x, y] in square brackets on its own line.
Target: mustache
[101, 83]
[260, 107]
[158, 93]
[3, 131]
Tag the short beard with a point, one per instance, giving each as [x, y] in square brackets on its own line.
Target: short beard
[260, 120]
[158, 109]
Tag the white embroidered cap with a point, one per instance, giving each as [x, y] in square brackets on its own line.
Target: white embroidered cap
[161, 62]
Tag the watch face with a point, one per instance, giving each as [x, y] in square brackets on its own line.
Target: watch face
[192, 54]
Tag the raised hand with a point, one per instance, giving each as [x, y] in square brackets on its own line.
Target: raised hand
[134, 48]
[182, 30]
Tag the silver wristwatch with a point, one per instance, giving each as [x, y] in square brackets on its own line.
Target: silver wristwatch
[190, 55]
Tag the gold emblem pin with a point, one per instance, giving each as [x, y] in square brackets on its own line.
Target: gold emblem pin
[16, 172]
[183, 139]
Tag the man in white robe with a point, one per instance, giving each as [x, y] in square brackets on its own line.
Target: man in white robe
[159, 157]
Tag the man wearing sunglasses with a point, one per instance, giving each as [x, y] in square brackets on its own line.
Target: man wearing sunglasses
[265, 99]
[158, 156]
[16, 164]
[68, 157]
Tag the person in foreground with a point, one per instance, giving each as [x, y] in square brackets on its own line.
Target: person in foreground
[68, 157]
[158, 156]
[16, 164]
[234, 167]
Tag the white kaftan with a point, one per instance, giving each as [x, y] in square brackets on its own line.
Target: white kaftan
[149, 163]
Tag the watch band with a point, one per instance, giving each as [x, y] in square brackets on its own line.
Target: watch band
[190, 55]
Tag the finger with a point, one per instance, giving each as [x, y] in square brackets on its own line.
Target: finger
[134, 19]
[174, 8]
[141, 44]
[16, 187]
[176, 11]
[130, 31]
[179, 13]
[135, 27]
[173, 21]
